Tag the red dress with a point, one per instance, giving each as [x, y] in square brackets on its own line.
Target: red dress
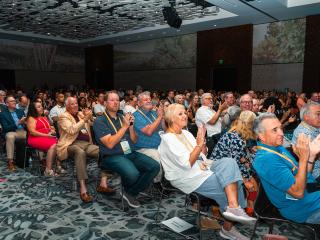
[41, 143]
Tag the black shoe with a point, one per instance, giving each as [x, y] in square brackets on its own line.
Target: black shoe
[132, 201]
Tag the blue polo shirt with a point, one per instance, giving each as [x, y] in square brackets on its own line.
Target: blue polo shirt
[142, 120]
[276, 176]
[102, 127]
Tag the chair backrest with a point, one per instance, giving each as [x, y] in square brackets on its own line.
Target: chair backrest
[263, 207]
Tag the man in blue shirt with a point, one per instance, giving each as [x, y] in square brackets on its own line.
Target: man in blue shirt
[12, 121]
[147, 125]
[310, 126]
[283, 178]
[116, 137]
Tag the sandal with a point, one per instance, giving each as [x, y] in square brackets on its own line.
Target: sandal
[60, 170]
[50, 173]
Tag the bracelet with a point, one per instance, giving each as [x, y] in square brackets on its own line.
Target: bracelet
[310, 162]
[199, 146]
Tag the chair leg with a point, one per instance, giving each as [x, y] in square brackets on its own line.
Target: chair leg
[156, 215]
[271, 227]
[255, 228]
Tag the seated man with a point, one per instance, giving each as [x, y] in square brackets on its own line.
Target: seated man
[283, 178]
[310, 126]
[58, 109]
[12, 121]
[211, 119]
[75, 140]
[147, 125]
[115, 135]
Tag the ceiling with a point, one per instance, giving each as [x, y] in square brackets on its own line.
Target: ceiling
[98, 22]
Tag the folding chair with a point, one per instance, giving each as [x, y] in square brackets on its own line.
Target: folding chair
[266, 211]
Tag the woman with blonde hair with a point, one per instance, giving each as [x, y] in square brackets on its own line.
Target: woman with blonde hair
[235, 144]
[187, 168]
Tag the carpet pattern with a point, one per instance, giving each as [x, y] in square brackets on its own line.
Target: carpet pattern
[33, 207]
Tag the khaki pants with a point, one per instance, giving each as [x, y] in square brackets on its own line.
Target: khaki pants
[154, 154]
[10, 139]
[79, 150]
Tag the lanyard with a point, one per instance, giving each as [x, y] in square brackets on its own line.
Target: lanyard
[108, 118]
[145, 116]
[281, 155]
[43, 123]
[184, 141]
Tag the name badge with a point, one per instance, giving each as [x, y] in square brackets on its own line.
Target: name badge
[125, 146]
[289, 197]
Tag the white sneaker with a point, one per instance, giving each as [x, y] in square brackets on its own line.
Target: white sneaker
[238, 215]
[233, 234]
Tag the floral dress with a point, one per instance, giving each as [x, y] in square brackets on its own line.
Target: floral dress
[231, 145]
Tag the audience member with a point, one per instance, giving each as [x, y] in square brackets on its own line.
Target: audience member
[310, 126]
[235, 144]
[99, 107]
[116, 135]
[13, 122]
[246, 102]
[283, 178]
[180, 151]
[76, 141]
[41, 136]
[58, 109]
[147, 125]
[210, 119]
[23, 104]
[131, 107]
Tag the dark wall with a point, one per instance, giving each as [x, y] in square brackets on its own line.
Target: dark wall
[311, 73]
[234, 46]
[99, 67]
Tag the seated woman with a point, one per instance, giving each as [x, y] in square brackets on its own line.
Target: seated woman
[185, 166]
[41, 136]
[235, 144]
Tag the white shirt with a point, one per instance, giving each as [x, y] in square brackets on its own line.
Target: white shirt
[56, 111]
[98, 108]
[203, 116]
[174, 156]
[129, 108]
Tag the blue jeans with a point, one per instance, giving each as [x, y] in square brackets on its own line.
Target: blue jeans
[225, 171]
[136, 170]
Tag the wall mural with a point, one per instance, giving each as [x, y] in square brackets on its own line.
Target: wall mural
[40, 57]
[164, 53]
[279, 42]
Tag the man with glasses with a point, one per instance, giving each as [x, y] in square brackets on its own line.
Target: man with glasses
[246, 102]
[205, 115]
[310, 126]
[12, 121]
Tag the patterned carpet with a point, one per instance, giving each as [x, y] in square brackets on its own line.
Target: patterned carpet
[33, 207]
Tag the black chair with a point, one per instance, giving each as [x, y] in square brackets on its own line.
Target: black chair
[266, 211]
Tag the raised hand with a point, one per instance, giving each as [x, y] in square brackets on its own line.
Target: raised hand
[315, 147]
[201, 135]
[223, 106]
[302, 148]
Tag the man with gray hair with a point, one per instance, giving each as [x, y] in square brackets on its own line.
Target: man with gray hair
[2, 102]
[206, 116]
[310, 126]
[76, 141]
[246, 102]
[284, 180]
[148, 124]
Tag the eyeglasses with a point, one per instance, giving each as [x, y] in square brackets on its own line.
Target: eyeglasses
[246, 102]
